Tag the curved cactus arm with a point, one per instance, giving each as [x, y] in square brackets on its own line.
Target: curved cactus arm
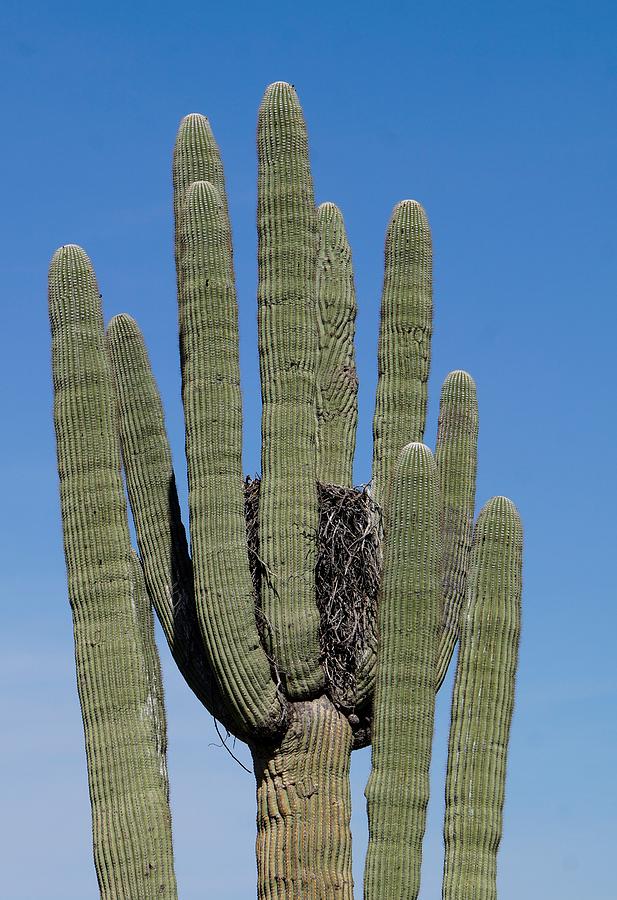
[287, 329]
[456, 457]
[196, 158]
[482, 705]
[154, 502]
[408, 620]
[404, 341]
[128, 785]
[337, 382]
[213, 413]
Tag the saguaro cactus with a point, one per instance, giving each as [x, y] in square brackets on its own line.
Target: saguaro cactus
[312, 617]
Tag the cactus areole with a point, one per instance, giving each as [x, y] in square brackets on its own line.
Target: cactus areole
[311, 617]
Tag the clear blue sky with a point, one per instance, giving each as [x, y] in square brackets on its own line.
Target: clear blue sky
[500, 118]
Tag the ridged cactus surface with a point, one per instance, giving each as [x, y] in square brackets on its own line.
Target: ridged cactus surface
[482, 705]
[398, 787]
[118, 675]
[161, 536]
[303, 798]
[404, 352]
[288, 342]
[308, 616]
[213, 411]
[456, 458]
[337, 381]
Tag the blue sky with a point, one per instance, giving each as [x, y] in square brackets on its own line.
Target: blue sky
[500, 119]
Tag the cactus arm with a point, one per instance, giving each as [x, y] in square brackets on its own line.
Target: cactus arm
[128, 785]
[196, 158]
[337, 382]
[213, 413]
[155, 707]
[287, 330]
[152, 493]
[456, 457]
[404, 341]
[482, 705]
[304, 808]
[403, 363]
[404, 704]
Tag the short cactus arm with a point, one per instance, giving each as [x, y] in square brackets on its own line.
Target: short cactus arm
[287, 328]
[156, 511]
[456, 457]
[403, 710]
[482, 705]
[337, 382]
[114, 646]
[404, 341]
[213, 413]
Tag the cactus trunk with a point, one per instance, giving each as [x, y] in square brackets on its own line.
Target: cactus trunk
[304, 808]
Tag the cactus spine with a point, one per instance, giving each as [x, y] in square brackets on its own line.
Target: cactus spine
[242, 612]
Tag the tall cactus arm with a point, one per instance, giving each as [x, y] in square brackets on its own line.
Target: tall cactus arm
[196, 158]
[287, 329]
[128, 788]
[213, 412]
[456, 457]
[404, 341]
[482, 705]
[403, 362]
[152, 493]
[337, 382]
[404, 704]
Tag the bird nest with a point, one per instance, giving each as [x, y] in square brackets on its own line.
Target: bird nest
[347, 574]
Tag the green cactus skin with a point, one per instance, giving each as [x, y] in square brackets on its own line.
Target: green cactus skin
[456, 461]
[403, 363]
[287, 329]
[274, 695]
[304, 808]
[456, 458]
[151, 664]
[196, 158]
[213, 413]
[482, 705]
[118, 677]
[404, 341]
[408, 621]
[151, 485]
[337, 382]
